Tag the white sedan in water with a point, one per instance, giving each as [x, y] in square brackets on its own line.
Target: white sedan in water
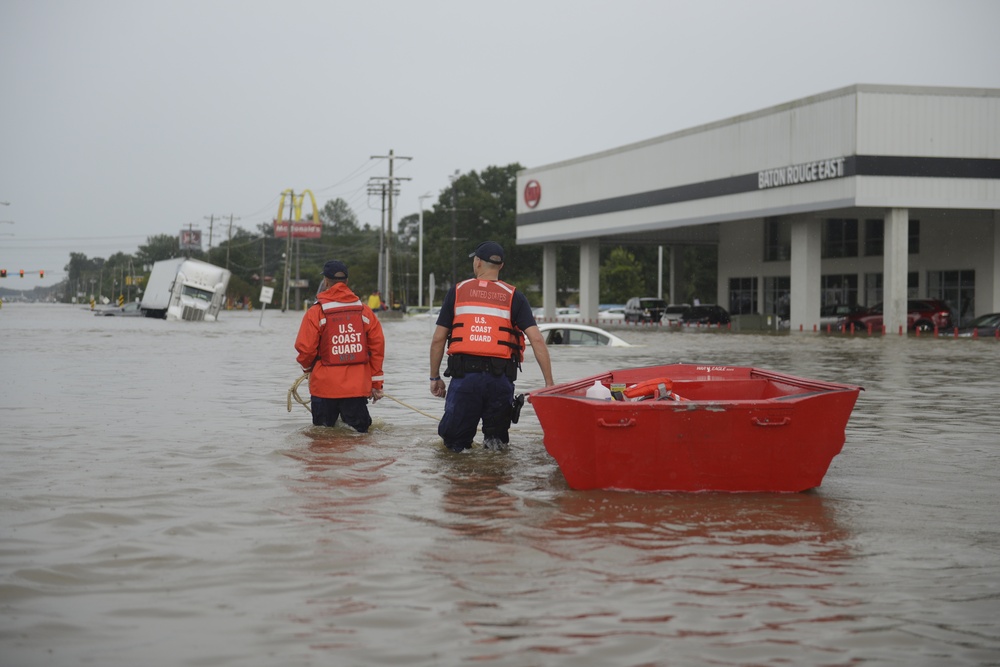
[570, 333]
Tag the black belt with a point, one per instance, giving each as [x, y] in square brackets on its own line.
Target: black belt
[461, 364]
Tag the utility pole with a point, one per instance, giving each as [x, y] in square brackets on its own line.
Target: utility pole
[230, 239]
[288, 251]
[392, 157]
[377, 186]
[454, 229]
[420, 252]
[211, 224]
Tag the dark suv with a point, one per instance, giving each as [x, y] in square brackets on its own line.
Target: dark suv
[644, 309]
[705, 314]
[922, 314]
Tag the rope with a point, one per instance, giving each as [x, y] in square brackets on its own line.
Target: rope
[294, 393]
[437, 419]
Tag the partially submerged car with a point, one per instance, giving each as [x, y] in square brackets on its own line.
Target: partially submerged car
[922, 314]
[984, 326]
[571, 333]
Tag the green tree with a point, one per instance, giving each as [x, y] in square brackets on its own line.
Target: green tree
[162, 246]
[338, 218]
[621, 277]
[475, 208]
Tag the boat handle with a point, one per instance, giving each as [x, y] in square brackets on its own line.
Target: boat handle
[625, 423]
[785, 421]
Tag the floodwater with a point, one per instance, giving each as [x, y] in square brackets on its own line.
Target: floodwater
[159, 505]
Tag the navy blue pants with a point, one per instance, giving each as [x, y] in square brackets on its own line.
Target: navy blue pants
[475, 397]
[354, 412]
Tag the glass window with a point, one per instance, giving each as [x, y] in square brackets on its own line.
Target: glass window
[839, 289]
[840, 237]
[582, 337]
[742, 296]
[777, 240]
[777, 296]
[957, 289]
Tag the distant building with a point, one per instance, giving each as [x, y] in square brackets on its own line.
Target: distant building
[864, 194]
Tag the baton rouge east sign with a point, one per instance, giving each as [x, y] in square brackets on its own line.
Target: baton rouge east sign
[807, 172]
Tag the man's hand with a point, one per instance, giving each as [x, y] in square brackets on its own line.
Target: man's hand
[376, 394]
[438, 388]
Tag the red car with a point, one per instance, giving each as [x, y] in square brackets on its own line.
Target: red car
[922, 314]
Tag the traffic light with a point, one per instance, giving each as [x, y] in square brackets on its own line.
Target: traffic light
[3, 273]
[41, 273]
[22, 273]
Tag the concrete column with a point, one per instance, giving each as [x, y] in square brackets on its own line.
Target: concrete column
[549, 280]
[807, 244]
[659, 272]
[895, 259]
[590, 273]
[673, 275]
[992, 301]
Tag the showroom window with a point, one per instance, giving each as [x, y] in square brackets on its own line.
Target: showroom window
[777, 296]
[742, 296]
[839, 289]
[840, 237]
[957, 289]
[777, 240]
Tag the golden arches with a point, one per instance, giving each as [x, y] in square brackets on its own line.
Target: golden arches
[296, 201]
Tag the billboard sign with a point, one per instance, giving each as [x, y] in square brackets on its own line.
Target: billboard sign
[190, 239]
[299, 228]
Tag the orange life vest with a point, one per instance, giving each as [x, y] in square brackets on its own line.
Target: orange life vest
[342, 338]
[482, 323]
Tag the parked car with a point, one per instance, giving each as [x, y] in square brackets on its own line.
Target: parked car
[130, 309]
[836, 313]
[922, 314]
[611, 312]
[984, 326]
[644, 309]
[672, 313]
[570, 333]
[705, 314]
[565, 313]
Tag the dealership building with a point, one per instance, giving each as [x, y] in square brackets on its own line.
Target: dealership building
[865, 194]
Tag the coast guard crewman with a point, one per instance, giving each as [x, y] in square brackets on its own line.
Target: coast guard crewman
[341, 345]
[484, 322]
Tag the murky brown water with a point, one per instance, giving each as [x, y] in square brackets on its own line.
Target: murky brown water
[160, 506]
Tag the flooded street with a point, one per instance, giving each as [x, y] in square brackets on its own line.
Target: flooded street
[160, 506]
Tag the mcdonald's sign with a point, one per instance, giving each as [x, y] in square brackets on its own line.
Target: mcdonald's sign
[300, 229]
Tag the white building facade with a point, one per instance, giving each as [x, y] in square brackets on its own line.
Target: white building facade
[864, 194]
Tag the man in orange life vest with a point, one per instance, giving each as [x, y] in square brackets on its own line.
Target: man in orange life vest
[484, 322]
[341, 346]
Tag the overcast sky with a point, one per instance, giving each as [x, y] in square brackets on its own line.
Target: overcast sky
[125, 119]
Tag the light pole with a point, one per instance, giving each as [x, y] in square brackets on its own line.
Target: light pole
[420, 252]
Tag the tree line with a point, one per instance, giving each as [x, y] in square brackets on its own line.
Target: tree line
[477, 206]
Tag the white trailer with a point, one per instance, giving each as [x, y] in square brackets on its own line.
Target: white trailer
[185, 289]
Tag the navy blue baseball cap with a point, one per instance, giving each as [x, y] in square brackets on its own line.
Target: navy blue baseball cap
[489, 251]
[335, 270]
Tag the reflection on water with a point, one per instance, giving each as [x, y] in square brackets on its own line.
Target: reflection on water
[154, 486]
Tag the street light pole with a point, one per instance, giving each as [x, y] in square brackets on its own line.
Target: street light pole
[420, 252]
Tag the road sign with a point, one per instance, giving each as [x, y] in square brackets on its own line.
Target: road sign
[266, 293]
